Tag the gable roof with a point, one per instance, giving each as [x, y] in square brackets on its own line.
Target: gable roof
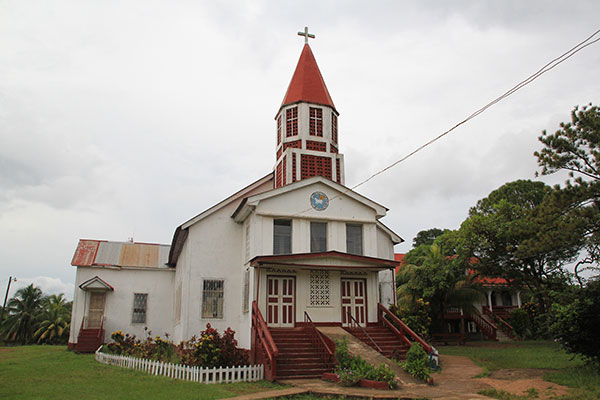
[181, 232]
[307, 83]
[96, 283]
[90, 253]
[249, 203]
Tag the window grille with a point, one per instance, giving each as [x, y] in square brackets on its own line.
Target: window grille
[296, 144]
[278, 176]
[319, 288]
[338, 173]
[212, 299]
[140, 302]
[316, 121]
[334, 128]
[333, 149]
[354, 239]
[291, 121]
[278, 154]
[315, 165]
[284, 174]
[317, 146]
[293, 167]
[318, 237]
[279, 130]
[282, 236]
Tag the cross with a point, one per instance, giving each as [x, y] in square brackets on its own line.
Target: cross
[306, 35]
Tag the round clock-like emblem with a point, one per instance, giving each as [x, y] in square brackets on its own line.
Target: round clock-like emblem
[319, 201]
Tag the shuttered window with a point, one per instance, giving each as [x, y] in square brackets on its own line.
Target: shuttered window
[140, 302]
[282, 236]
[212, 299]
[354, 239]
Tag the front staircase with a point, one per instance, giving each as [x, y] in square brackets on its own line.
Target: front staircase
[381, 339]
[298, 357]
[88, 340]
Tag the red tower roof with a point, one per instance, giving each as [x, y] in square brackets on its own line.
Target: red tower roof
[307, 83]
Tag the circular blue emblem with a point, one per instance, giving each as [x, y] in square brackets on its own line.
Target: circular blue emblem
[319, 201]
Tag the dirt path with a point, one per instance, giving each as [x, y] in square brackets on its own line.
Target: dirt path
[521, 381]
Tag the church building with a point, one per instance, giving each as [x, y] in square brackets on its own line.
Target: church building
[293, 250]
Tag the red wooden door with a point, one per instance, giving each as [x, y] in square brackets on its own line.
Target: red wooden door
[354, 301]
[280, 301]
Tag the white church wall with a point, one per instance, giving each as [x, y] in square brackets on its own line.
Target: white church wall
[78, 309]
[118, 309]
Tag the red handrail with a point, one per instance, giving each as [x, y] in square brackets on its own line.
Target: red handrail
[486, 326]
[406, 330]
[325, 353]
[263, 333]
[101, 331]
[508, 329]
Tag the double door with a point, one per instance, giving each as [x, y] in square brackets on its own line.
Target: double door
[281, 301]
[354, 301]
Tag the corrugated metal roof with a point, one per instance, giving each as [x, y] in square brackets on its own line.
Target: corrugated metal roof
[122, 254]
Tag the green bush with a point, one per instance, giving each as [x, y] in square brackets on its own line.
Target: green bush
[519, 320]
[577, 324]
[417, 362]
[352, 369]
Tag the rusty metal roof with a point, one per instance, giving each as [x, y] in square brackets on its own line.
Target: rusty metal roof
[121, 254]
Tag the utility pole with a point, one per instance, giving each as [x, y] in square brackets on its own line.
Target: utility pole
[10, 279]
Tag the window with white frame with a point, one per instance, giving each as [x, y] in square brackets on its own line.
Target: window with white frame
[318, 237]
[354, 239]
[212, 298]
[320, 294]
[140, 303]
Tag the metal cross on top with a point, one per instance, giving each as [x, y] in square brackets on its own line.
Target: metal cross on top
[306, 34]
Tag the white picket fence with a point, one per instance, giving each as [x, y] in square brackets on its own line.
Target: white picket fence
[248, 373]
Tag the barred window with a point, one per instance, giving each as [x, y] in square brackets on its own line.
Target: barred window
[212, 299]
[316, 121]
[282, 236]
[279, 130]
[354, 239]
[318, 237]
[140, 302]
[319, 288]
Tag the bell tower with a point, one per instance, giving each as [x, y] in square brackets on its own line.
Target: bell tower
[307, 126]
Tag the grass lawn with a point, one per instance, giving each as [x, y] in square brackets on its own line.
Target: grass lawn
[562, 367]
[51, 372]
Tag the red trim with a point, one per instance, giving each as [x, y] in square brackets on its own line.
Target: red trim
[376, 262]
[281, 289]
[100, 279]
[366, 305]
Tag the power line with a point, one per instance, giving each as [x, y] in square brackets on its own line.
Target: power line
[550, 65]
[547, 67]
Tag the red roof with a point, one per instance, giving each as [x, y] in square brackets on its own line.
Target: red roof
[307, 83]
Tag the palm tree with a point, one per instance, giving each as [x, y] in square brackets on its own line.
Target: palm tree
[23, 314]
[55, 320]
[440, 280]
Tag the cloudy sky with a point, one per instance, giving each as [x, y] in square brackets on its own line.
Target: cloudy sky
[124, 119]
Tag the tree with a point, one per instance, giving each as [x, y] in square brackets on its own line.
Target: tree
[55, 320]
[576, 325]
[439, 280]
[427, 237]
[524, 233]
[23, 314]
[575, 148]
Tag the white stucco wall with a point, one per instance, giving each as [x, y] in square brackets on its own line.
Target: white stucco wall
[156, 282]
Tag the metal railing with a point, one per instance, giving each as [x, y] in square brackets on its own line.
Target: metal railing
[354, 325]
[488, 328]
[325, 353]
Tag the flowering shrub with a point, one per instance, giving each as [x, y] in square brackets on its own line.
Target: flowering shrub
[209, 350]
[212, 349]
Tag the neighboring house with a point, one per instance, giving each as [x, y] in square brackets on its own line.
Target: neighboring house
[292, 247]
[493, 313]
